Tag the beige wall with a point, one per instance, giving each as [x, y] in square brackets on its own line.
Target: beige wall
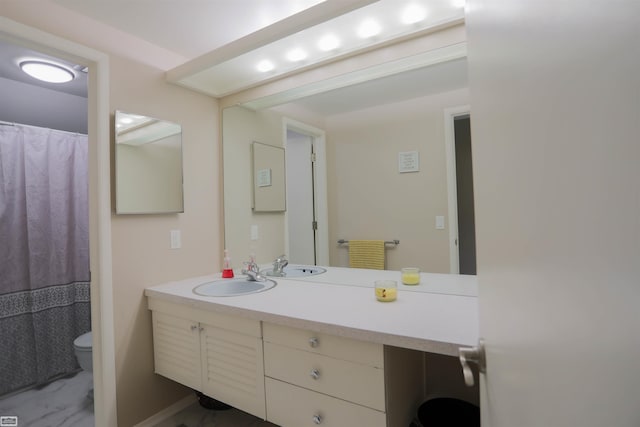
[141, 254]
[370, 199]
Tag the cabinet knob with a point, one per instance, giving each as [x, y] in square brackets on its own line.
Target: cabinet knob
[317, 419]
[313, 342]
[194, 327]
[315, 374]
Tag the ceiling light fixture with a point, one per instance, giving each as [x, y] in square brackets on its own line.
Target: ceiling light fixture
[368, 29]
[262, 56]
[328, 43]
[296, 55]
[458, 3]
[265, 66]
[47, 72]
[412, 14]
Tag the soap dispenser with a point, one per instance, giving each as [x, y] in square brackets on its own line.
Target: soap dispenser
[227, 271]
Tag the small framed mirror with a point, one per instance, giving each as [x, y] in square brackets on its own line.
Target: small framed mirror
[268, 178]
[148, 168]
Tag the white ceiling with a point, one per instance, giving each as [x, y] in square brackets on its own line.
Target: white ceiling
[191, 28]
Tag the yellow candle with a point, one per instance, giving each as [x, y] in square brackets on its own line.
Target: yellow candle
[386, 294]
[410, 276]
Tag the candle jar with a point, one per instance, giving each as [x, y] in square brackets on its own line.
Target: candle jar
[386, 290]
[410, 276]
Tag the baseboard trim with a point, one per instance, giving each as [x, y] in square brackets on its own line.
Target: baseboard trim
[168, 412]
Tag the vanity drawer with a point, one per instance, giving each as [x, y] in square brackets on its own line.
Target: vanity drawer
[362, 352]
[292, 406]
[344, 379]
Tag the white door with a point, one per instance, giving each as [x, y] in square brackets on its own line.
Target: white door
[555, 94]
[300, 200]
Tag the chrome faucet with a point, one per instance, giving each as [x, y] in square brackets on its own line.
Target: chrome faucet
[279, 264]
[252, 271]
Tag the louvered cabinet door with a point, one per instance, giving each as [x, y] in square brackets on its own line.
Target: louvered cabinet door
[233, 370]
[176, 349]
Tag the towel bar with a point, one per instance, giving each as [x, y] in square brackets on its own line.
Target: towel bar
[387, 242]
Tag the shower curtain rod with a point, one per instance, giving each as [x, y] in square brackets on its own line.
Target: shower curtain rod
[3, 123]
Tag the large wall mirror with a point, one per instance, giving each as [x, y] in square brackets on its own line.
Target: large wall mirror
[367, 127]
[148, 165]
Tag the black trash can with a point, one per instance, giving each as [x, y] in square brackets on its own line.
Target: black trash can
[447, 412]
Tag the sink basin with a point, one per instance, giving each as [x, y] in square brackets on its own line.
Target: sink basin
[232, 287]
[297, 271]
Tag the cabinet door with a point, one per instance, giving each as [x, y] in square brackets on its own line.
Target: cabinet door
[176, 349]
[233, 370]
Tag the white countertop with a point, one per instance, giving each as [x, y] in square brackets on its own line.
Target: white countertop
[343, 303]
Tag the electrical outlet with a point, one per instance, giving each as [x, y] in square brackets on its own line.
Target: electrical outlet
[254, 232]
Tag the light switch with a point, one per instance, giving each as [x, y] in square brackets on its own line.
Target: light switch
[254, 232]
[439, 222]
[176, 240]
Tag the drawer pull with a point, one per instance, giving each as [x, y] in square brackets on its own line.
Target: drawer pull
[313, 342]
[315, 374]
[317, 419]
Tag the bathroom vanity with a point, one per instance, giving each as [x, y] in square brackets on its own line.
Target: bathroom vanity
[314, 350]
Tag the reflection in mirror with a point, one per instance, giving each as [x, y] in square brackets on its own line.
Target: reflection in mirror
[369, 195]
[268, 178]
[148, 165]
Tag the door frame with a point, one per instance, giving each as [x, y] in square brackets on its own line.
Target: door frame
[320, 186]
[450, 115]
[104, 371]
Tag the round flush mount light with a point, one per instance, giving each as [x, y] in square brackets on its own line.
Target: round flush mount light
[47, 72]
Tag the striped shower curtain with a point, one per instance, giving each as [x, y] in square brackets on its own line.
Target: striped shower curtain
[44, 253]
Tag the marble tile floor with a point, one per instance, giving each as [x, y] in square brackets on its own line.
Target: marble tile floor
[197, 416]
[62, 403]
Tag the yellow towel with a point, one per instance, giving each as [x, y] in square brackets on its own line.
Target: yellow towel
[366, 254]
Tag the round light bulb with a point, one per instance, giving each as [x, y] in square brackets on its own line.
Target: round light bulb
[369, 28]
[328, 42]
[265, 66]
[413, 14]
[296, 55]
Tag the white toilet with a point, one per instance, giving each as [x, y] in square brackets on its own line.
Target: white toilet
[83, 347]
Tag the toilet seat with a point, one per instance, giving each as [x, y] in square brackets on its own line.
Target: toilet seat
[83, 342]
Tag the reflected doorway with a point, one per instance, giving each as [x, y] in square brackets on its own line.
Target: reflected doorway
[301, 218]
[462, 240]
[464, 191]
[306, 239]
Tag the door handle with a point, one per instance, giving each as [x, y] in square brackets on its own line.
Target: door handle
[474, 355]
